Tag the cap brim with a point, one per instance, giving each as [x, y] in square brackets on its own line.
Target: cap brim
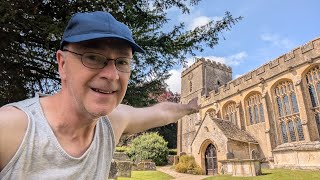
[92, 36]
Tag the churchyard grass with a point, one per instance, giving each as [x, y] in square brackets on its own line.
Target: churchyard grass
[154, 175]
[275, 174]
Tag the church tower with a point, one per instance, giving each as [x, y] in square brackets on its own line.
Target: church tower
[196, 81]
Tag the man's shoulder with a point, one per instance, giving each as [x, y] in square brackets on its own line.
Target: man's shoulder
[12, 120]
[13, 126]
[11, 113]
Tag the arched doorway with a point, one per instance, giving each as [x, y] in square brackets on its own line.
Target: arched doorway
[211, 160]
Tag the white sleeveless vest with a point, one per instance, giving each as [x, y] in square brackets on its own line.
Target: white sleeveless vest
[40, 156]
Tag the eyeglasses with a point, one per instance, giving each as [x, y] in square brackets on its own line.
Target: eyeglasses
[98, 61]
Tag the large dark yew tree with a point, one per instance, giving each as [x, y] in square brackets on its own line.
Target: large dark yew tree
[30, 33]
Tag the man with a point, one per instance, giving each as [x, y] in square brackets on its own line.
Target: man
[72, 134]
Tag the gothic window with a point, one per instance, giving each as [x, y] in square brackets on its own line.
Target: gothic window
[251, 115]
[254, 109]
[318, 121]
[313, 84]
[232, 118]
[313, 96]
[256, 116]
[291, 131]
[279, 103]
[299, 129]
[286, 104]
[261, 112]
[294, 103]
[284, 132]
[230, 112]
[288, 112]
[235, 117]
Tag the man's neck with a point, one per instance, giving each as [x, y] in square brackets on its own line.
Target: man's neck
[74, 131]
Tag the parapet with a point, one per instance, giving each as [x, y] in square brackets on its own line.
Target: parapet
[305, 53]
[207, 62]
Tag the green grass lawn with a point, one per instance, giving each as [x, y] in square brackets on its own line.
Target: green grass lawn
[276, 174]
[143, 175]
[267, 174]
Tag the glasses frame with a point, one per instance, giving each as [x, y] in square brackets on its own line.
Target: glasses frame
[107, 60]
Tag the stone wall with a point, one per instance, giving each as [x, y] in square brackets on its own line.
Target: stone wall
[209, 133]
[291, 66]
[298, 156]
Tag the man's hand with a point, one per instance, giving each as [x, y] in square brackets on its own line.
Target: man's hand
[193, 106]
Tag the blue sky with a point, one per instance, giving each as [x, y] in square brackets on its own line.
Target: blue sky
[269, 29]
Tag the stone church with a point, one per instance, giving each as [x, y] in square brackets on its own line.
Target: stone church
[271, 113]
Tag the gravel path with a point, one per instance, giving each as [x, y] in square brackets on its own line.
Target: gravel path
[179, 176]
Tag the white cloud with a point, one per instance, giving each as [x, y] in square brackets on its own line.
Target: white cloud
[198, 21]
[277, 41]
[195, 19]
[232, 60]
[174, 82]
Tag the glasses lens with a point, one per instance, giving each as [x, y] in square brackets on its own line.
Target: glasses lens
[123, 64]
[95, 61]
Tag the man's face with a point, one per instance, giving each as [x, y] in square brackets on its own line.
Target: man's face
[95, 92]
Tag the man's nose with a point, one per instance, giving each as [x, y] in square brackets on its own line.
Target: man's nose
[110, 70]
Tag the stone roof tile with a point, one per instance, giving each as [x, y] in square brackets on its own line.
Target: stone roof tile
[231, 131]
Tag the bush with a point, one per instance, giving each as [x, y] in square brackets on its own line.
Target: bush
[121, 148]
[187, 164]
[149, 146]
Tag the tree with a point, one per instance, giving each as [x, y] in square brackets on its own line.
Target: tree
[149, 146]
[30, 32]
[168, 132]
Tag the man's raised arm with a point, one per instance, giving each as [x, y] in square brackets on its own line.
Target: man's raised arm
[129, 120]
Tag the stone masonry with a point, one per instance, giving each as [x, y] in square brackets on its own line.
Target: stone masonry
[276, 104]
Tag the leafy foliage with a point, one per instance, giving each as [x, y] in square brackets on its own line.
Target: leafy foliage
[149, 146]
[30, 32]
[187, 164]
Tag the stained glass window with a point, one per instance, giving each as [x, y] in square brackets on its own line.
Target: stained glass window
[250, 115]
[255, 108]
[279, 103]
[230, 112]
[313, 96]
[284, 133]
[299, 129]
[313, 84]
[294, 103]
[291, 131]
[317, 117]
[261, 112]
[256, 112]
[286, 104]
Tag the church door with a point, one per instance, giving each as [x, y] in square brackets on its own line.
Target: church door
[211, 160]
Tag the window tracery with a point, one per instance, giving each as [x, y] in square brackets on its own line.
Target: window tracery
[230, 113]
[288, 112]
[313, 85]
[255, 109]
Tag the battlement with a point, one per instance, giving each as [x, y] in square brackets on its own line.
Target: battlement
[306, 53]
[207, 62]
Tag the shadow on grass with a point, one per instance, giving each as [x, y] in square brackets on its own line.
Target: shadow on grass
[263, 174]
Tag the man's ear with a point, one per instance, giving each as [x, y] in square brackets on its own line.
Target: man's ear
[61, 59]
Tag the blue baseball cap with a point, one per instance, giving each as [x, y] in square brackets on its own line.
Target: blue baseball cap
[96, 25]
